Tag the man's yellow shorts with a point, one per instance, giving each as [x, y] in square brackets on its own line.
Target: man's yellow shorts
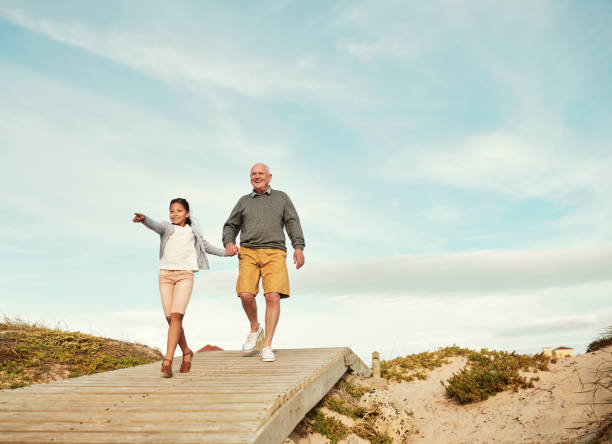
[267, 263]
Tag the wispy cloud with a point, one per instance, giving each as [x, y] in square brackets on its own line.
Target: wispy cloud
[398, 328]
[256, 76]
[448, 275]
[515, 166]
[559, 324]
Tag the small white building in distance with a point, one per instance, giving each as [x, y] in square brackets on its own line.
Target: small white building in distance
[562, 352]
[559, 352]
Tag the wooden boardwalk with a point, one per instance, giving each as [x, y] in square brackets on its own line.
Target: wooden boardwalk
[226, 398]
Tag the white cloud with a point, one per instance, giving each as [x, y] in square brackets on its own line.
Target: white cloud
[533, 150]
[410, 32]
[524, 323]
[509, 163]
[448, 275]
[84, 162]
[441, 214]
[264, 77]
[559, 324]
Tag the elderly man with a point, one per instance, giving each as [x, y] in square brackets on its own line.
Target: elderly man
[260, 217]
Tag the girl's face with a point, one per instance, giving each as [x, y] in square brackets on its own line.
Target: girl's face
[178, 214]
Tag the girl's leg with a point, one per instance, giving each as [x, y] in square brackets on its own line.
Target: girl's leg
[180, 298]
[174, 333]
[166, 290]
[182, 292]
[182, 342]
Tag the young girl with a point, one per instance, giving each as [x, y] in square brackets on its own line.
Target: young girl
[182, 252]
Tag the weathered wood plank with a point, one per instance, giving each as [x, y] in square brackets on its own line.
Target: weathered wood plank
[117, 427]
[233, 415]
[85, 406]
[140, 437]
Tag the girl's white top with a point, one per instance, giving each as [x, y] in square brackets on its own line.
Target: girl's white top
[180, 253]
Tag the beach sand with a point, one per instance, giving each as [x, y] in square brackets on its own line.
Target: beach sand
[565, 405]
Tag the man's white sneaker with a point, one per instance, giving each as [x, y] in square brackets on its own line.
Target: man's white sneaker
[251, 340]
[268, 355]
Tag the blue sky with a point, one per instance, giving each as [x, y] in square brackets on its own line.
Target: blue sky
[450, 163]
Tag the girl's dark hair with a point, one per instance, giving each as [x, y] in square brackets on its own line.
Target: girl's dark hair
[185, 205]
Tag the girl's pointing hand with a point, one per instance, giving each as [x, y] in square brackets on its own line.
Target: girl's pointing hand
[138, 217]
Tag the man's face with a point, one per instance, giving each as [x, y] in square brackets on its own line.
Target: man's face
[260, 178]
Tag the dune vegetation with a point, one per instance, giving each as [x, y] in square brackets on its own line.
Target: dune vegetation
[480, 375]
[343, 399]
[486, 372]
[603, 382]
[31, 353]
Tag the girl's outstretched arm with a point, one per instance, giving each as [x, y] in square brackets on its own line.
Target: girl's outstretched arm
[212, 249]
[148, 222]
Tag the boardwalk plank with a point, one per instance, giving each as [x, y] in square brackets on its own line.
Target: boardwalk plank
[104, 437]
[119, 427]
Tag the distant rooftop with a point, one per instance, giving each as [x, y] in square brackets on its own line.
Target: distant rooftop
[209, 347]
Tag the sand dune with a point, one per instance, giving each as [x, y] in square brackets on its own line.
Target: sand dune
[566, 405]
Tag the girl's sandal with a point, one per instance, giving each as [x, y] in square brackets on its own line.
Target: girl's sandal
[166, 369]
[186, 365]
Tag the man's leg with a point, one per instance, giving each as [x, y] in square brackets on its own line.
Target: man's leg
[272, 315]
[250, 308]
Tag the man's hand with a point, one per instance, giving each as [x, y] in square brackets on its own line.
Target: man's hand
[298, 258]
[232, 249]
[138, 217]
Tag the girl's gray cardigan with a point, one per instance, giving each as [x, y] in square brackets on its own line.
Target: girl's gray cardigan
[202, 246]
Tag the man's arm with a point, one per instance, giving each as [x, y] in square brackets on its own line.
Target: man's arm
[294, 230]
[231, 228]
[298, 258]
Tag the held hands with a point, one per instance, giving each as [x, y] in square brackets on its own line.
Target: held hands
[232, 249]
[298, 258]
[138, 217]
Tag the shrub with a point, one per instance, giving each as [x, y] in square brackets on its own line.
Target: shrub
[604, 340]
[490, 372]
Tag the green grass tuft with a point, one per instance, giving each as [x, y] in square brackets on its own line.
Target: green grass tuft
[331, 428]
[411, 367]
[366, 430]
[343, 399]
[354, 391]
[338, 405]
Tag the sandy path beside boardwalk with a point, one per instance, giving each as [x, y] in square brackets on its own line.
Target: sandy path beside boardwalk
[561, 401]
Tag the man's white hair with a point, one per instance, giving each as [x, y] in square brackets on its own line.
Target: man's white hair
[262, 164]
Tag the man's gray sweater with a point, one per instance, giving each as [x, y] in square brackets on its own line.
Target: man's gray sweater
[260, 219]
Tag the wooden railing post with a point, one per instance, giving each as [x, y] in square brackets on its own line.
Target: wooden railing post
[375, 364]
